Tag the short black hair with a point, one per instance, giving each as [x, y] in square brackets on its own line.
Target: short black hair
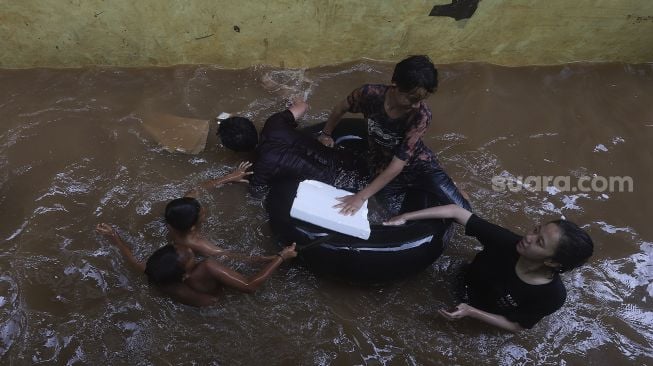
[574, 247]
[238, 134]
[182, 213]
[163, 266]
[416, 72]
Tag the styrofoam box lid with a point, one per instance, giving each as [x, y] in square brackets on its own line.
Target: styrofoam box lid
[314, 204]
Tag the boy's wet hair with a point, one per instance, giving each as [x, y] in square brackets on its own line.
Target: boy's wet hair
[416, 72]
[574, 247]
[238, 134]
[163, 266]
[182, 213]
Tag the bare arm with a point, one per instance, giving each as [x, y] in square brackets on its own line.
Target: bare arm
[351, 204]
[238, 175]
[186, 295]
[111, 234]
[203, 247]
[464, 310]
[337, 112]
[207, 248]
[248, 258]
[236, 280]
[298, 107]
[459, 214]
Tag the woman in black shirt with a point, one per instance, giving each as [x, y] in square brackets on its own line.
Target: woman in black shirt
[513, 282]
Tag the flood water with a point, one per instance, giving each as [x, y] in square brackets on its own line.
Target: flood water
[74, 152]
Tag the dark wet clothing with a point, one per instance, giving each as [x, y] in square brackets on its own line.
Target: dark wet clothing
[284, 151]
[402, 137]
[388, 137]
[492, 284]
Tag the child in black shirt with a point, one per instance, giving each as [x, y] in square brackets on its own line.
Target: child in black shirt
[283, 150]
[514, 281]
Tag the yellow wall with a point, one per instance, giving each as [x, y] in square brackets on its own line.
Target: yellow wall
[306, 33]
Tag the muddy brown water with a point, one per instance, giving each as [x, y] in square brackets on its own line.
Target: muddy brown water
[73, 153]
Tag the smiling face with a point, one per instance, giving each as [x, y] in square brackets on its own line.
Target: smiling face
[541, 243]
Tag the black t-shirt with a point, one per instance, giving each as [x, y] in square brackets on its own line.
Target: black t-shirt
[493, 285]
[284, 151]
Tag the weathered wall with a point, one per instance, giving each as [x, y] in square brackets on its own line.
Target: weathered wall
[305, 33]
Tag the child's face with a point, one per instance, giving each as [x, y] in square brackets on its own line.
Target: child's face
[412, 98]
[540, 243]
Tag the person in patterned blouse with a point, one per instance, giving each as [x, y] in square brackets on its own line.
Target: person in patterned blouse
[397, 119]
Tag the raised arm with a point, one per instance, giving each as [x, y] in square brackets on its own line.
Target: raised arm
[459, 214]
[109, 232]
[231, 278]
[298, 107]
[238, 175]
[337, 112]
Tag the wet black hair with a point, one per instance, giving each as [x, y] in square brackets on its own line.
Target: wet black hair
[182, 213]
[163, 266]
[574, 247]
[416, 72]
[238, 134]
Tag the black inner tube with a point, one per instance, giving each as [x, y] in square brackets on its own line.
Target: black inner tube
[391, 252]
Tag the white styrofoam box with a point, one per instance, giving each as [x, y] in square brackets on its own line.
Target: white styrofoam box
[314, 204]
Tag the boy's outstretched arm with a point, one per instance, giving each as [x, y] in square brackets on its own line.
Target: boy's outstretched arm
[108, 231]
[209, 249]
[236, 280]
[246, 257]
[238, 175]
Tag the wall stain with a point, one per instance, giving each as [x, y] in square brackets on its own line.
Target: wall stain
[639, 19]
[206, 36]
[458, 9]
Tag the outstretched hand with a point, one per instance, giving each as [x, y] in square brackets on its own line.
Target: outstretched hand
[395, 221]
[239, 174]
[106, 230]
[288, 252]
[461, 311]
[349, 204]
[111, 233]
